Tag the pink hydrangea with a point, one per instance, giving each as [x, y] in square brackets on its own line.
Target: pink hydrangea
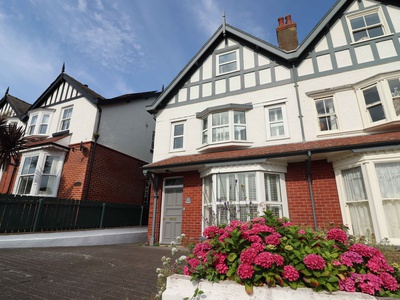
[211, 231]
[273, 239]
[223, 236]
[363, 250]
[287, 224]
[348, 285]
[222, 268]
[337, 235]
[245, 271]
[201, 250]
[378, 264]
[389, 282]
[350, 257]
[301, 232]
[314, 262]
[290, 273]
[259, 228]
[248, 256]
[186, 271]
[259, 247]
[258, 220]
[267, 259]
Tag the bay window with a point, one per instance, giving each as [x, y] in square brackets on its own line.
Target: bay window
[40, 173]
[224, 126]
[39, 123]
[371, 192]
[241, 196]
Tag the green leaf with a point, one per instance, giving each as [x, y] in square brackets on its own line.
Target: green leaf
[293, 285]
[306, 272]
[231, 257]
[333, 279]
[248, 288]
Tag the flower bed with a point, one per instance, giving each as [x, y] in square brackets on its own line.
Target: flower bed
[273, 252]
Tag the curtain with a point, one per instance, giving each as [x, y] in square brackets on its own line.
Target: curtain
[361, 221]
[389, 183]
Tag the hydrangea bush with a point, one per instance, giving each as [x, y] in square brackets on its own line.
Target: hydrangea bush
[272, 251]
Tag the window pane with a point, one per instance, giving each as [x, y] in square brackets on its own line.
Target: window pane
[392, 214]
[178, 129]
[220, 118]
[372, 19]
[275, 114]
[240, 133]
[46, 185]
[371, 95]
[320, 107]
[376, 113]
[25, 184]
[360, 35]
[43, 129]
[357, 23]
[375, 32]
[239, 117]
[65, 125]
[205, 123]
[389, 179]
[220, 134]
[50, 165]
[34, 119]
[277, 129]
[178, 142]
[45, 119]
[227, 57]
[229, 67]
[361, 221]
[67, 113]
[29, 165]
[354, 184]
[272, 188]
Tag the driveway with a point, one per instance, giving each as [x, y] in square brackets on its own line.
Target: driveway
[124, 271]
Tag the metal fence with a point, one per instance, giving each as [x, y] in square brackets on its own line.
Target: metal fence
[34, 214]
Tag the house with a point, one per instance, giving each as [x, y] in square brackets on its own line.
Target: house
[83, 146]
[309, 131]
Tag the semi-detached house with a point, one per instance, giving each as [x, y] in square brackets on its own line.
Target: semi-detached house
[309, 131]
[81, 145]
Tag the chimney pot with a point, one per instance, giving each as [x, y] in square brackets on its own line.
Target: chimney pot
[288, 19]
[280, 21]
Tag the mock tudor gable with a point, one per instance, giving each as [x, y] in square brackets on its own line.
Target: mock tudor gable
[310, 131]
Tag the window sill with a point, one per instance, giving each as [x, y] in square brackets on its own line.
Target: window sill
[392, 125]
[226, 145]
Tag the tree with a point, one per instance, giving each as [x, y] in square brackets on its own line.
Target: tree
[12, 141]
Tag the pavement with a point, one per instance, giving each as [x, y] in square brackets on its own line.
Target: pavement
[122, 271]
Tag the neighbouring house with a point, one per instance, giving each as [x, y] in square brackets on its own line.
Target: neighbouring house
[309, 131]
[83, 146]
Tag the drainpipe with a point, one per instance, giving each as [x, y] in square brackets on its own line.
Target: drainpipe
[296, 87]
[311, 189]
[154, 180]
[91, 161]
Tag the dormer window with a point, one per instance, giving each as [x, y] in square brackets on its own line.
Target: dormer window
[367, 25]
[227, 62]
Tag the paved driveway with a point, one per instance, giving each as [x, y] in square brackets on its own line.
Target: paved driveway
[125, 271]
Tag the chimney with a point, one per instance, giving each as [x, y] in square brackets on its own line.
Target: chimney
[287, 34]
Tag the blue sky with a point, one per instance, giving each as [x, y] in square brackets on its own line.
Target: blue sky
[125, 46]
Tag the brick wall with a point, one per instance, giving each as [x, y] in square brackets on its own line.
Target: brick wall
[326, 198]
[8, 179]
[74, 172]
[191, 213]
[116, 177]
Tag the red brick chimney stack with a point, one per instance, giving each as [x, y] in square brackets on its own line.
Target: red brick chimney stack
[287, 34]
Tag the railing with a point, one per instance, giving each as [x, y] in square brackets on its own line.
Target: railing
[33, 214]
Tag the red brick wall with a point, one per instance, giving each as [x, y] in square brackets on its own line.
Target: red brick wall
[116, 177]
[74, 172]
[326, 198]
[8, 180]
[192, 212]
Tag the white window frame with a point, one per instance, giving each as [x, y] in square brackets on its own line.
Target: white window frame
[232, 133]
[327, 115]
[211, 213]
[219, 64]
[363, 14]
[39, 174]
[33, 129]
[175, 136]
[63, 119]
[367, 162]
[270, 123]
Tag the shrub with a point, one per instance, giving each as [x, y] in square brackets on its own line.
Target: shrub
[272, 251]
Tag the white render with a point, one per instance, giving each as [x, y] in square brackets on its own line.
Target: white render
[180, 286]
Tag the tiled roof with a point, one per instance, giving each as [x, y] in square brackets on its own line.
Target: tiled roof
[20, 106]
[320, 146]
[41, 142]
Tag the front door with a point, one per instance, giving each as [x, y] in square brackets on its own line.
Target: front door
[172, 215]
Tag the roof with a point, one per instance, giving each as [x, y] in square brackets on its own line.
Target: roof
[19, 106]
[228, 31]
[82, 88]
[48, 141]
[129, 97]
[280, 151]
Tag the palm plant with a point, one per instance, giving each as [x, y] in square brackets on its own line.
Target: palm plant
[12, 141]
